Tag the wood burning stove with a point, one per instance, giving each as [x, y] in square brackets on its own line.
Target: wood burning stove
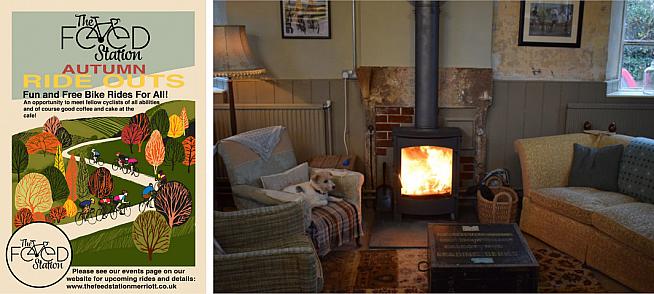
[426, 157]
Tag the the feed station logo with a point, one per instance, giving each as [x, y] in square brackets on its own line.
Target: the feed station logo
[39, 254]
[110, 39]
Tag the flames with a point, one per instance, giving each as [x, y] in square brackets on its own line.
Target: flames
[426, 170]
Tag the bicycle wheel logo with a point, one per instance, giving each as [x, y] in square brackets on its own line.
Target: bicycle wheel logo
[39, 254]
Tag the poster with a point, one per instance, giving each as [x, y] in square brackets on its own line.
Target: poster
[104, 125]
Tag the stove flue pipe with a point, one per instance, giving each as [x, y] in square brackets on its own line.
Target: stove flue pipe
[426, 58]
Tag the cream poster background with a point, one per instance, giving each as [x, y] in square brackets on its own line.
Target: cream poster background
[12, 115]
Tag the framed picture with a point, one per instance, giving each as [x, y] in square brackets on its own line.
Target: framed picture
[550, 23]
[306, 19]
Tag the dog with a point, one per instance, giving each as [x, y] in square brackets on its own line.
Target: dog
[316, 190]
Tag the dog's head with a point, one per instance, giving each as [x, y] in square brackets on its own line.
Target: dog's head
[323, 181]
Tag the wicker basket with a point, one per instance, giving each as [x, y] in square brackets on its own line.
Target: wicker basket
[502, 210]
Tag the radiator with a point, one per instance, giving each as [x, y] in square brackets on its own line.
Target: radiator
[309, 126]
[631, 119]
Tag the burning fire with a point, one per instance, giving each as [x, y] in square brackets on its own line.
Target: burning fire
[426, 170]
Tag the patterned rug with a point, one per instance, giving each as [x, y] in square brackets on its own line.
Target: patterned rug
[396, 271]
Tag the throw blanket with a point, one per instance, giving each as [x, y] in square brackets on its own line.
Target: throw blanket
[333, 225]
[261, 141]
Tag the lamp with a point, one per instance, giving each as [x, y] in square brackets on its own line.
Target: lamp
[232, 58]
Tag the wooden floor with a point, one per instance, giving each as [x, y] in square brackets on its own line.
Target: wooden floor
[467, 213]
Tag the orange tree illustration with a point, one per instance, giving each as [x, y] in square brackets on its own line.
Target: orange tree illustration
[174, 202]
[38, 216]
[19, 158]
[132, 134]
[23, 217]
[142, 122]
[52, 125]
[64, 137]
[71, 208]
[184, 118]
[82, 180]
[100, 183]
[33, 192]
[155, 150]
[71, 177]
[57, 181]
[189, 152]
[150, 233]
[174, 152]
[176, 128]
[57, 213]
[45, 142]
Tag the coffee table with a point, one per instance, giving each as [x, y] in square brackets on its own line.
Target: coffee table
[480, 258]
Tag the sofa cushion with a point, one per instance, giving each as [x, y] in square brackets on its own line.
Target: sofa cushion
[596, 167]
[630, 223]
[637, 170]
[577, 203]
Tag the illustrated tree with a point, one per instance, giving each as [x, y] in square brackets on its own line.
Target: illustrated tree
[184, 118]
[38, 216]
[71, 208]
[57, 213]
[19, 158]
[33, 192]
[151, 233]
[142, 121]
[52, 125]
[176, 126]
[100, 183]
[174, 202]
[132, 134]
[23, 217]
[174, 152]
[71, 178]
[45, 142]
[59, 161]
[64, 137]
[82, 180]
[189, 152]
[58, 185]
[155, 150]
[160, 121]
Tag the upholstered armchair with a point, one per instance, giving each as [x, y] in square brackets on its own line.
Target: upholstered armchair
[245, 169]
[265, 250]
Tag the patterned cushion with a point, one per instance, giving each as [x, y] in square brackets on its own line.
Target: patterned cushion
[631, 224]
[577, 203]
[637, 170]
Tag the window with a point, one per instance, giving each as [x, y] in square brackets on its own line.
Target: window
[637, 43]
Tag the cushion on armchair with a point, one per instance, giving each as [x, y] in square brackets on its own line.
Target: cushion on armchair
[295, 175]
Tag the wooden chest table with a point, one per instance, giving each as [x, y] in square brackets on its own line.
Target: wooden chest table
[480, 258]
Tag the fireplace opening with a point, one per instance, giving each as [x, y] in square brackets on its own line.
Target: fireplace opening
[426, 171]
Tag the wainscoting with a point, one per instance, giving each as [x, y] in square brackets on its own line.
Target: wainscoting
[525, 109]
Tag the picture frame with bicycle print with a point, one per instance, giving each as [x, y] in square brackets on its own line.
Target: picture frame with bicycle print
[550, 23]
[305, 19]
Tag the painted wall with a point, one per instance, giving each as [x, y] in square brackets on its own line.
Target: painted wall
[513, 62]
[385, 31]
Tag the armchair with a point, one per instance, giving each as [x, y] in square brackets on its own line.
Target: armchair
[266, 250]
[245, 169]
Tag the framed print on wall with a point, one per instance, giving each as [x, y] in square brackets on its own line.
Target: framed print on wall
[306, 19]
[550, 23]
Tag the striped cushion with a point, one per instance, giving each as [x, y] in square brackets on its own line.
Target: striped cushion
[636, 176]
[333, 225]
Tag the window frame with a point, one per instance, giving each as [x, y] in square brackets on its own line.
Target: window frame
[623, 42]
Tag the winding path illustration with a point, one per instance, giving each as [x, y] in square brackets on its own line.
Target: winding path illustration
[72, 229]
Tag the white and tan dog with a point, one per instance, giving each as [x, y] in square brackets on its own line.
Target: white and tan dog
[316, 190]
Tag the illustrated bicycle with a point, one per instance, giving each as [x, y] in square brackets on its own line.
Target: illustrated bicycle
[148, 202]
[95, 32]
[131, 170]
[89, 217]
[104, 212]
[97, 161]
[126, 210]
[31, 249]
